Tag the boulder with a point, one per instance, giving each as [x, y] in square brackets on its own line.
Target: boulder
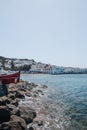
[28, 114]
[11, 96]
[13, 109]
[16, 112]
[15, 102]
[12, 88]
[4, 114]
[4, 101]
[18, 121]
[5, 126]
[19, 94]
[12, 125]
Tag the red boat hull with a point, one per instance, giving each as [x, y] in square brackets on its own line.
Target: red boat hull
[11, 78]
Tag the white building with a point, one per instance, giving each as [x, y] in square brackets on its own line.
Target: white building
[57, 70]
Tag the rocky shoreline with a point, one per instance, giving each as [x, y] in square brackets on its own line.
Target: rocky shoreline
[15, 112]
[27, 107]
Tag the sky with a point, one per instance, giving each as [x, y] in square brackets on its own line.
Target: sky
[49, 31]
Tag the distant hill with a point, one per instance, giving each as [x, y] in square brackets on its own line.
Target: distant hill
[31, 66]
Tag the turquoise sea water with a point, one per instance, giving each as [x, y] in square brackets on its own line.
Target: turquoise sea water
[69, 93]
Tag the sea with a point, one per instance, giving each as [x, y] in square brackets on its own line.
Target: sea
[68, 93]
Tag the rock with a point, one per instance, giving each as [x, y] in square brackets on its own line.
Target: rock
[20, 121]
[43, 86]
[28, 94]
[31, 128]
[35, 95]
[28, 114]
[4, 114]
[33, 85]
[15, 103]
[40, 91]
[12, 125]
[25, 85]
[22, 89]
[16, 112]
[19, 94]
[13, 109]
[40, 123]
[5, 126]
[12, 88]
[16, 115]
[12, 96]
[4, 100]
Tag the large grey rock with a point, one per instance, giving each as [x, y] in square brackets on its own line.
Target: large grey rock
[28, 114]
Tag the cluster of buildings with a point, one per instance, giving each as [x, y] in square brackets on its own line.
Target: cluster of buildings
[17, 62]
[38, 67]
[35, 67]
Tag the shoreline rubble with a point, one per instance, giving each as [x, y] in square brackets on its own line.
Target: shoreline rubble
[13, 114]
[27, 107]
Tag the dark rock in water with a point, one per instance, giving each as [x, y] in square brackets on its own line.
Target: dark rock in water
[28, 94]
[31, 128]
[40, 91]
[44, 86]
[19, 94]
[4, 114]
[35, 95]
[40, 123]
[15, 103]
[28, 114]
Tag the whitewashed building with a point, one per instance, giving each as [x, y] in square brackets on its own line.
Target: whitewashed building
[57, 70]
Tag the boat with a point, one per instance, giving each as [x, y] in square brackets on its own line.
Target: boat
[10, 78]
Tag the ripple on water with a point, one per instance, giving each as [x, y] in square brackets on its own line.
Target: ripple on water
[69, 97]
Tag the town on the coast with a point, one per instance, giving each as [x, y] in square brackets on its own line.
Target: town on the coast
[31, 66]
[24, 105]
[28, 106]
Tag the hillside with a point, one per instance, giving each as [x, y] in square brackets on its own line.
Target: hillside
[31, 66]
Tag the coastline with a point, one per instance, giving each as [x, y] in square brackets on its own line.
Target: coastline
[27, 107]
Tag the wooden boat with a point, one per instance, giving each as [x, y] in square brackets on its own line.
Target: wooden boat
[10, 78]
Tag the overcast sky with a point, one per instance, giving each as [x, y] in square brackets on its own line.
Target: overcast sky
[50, 31]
